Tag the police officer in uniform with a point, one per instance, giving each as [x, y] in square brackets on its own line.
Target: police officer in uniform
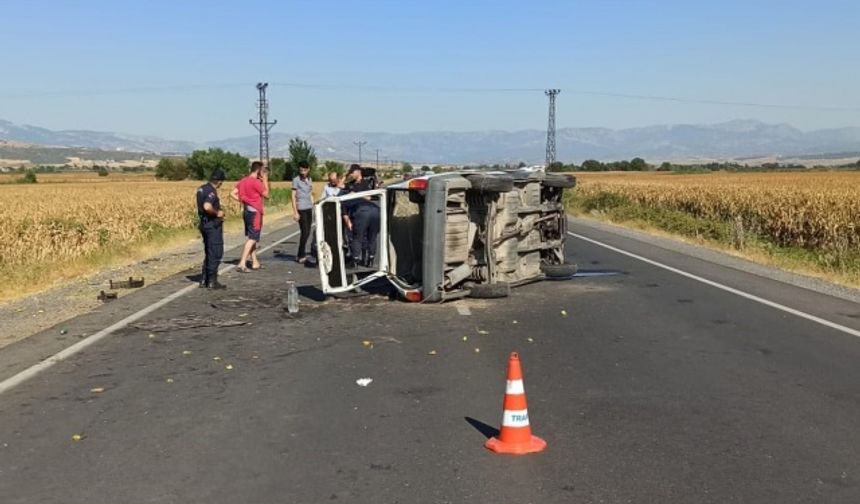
[212, 228]
[362, 219]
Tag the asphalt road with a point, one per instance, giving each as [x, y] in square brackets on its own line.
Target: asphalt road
[654, 387]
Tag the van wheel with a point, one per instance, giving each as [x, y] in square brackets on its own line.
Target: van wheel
[558, 271]
[490, 183]
[490, 291]
[556, 180]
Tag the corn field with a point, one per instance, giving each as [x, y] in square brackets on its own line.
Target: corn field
[55, 222]
[816, 210]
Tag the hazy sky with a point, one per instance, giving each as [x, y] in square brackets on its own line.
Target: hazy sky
[131, 66]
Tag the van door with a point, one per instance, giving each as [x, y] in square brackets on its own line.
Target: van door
[331, 243]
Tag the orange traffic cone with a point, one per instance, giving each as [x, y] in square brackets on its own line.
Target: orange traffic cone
[515, 436]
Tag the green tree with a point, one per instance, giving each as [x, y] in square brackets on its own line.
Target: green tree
[334, 166]
[300, 150]
[171, 169]
[278, 168]
[201, 164]
[666, 166]
[592, 165]
[406, 168]
[521, 165]
[103, 171]
[555, 166]
[638, 164]
[28, 178]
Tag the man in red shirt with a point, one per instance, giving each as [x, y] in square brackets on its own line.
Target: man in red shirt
[250, 192]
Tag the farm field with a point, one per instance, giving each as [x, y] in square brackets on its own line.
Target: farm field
[68, 225]
[809, 219]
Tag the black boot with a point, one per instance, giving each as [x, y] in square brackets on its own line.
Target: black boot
[204, 279]
[213, 282]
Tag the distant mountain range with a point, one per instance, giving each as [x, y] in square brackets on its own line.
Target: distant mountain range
[729, 140]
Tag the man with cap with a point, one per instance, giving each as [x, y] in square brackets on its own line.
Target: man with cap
[211, 227]
[362, 219]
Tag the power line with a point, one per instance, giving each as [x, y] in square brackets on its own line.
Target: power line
[263, 125]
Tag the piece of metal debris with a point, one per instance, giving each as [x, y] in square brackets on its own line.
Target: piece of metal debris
[189, 322]
[131, 283]
[104, 297]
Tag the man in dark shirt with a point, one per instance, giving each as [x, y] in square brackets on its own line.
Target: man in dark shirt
[361, 218]
[211, 228]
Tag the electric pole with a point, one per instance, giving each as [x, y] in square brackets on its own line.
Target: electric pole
[377, 159]
[360, 144]
[263, 125]
[550, 129]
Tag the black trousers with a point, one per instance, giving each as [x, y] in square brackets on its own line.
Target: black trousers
[305, 220]
[365, 231]
[213, 247]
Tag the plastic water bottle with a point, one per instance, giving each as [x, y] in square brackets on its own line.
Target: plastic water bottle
[292, 297]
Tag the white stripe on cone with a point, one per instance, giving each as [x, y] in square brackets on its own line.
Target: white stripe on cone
[515, 387]
[515, 418]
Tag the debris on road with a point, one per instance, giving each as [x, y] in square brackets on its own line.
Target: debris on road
[189, 322]
[97, 390]
[77, 437]
[477, 350]
[530, 339]
[229, 367]
[514, 322]
[104, 297]
[367, 344]
[465, 338]
[63, 331]
[169, 380]
[216, 358]
[151, 336]
[131, 283]
[431, 352]
[363, 382]
[186, 352]
[481, 331]
[564, 313]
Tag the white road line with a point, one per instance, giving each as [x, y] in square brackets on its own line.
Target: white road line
[464, 310]
[751, 297]
[14, 381]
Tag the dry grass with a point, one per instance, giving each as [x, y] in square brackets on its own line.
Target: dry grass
[814, 213]
[50, 231]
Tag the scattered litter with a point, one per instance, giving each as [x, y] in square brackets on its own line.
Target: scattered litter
[465, 338]
[255, 356]
[77, 437]
[103, 296]
[151, 336]
[564, 313]
[186, 352]
[477, 350]
[481, 331]
[97, 390]
[514, 322]
[63, 331]
[18, 310]
[40, 311]
[531, 340]
[169, 380]
[229, 367]
[367, 344]
[243, 315]
[189, 322]
[216, 358]
[131, 283]
[431, 352]
[363, 382]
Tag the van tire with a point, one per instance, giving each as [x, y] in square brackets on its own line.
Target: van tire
[490, 291]
[490, 183]
[556, 180]
[558, 271]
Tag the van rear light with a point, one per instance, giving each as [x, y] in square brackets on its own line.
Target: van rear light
[418, 184]
[413, 296]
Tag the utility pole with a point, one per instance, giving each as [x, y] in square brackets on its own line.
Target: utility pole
[263, 125]
[550, 129]
[360, 144]
[377, 159]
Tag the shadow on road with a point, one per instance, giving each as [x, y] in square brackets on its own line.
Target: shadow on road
[487, 430]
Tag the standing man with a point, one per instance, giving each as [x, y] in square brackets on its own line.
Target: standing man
[212, 228]
[303, 204]
[250, 192]
[362, 219]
